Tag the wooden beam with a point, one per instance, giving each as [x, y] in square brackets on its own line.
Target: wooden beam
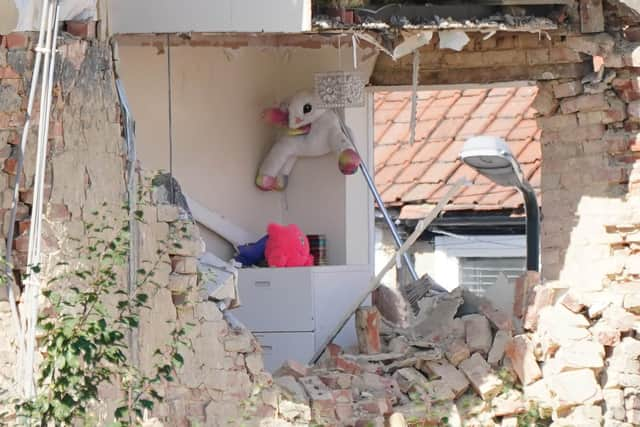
[591, 16]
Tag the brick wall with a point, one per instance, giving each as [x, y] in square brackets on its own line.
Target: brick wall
[86, 167]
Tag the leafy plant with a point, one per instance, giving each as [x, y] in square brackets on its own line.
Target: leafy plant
[85, 334]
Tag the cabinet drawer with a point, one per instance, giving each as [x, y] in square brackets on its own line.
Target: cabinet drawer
[279, 347]
[276, 299]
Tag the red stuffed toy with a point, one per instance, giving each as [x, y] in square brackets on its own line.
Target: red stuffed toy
[287, 246]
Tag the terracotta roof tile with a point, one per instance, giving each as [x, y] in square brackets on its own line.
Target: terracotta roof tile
[396, 133]
[412, 172]
[431, 151]
[501, 127]
[439, 172]
[394, 192]
[525, 129]
[382, 153]
[420, 192]
[387, 174]
[422, 173]
[447, 129]
[405, 153]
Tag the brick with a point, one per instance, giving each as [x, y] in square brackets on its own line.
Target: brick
[596, 45]
[574, 388]
[184, 265]
[321, 399]
[368, 330]
[498, 319]
[541, 296]
[293, 369]
[478, 333]
[544, 102]
[520, 351]
[344, 365]
[8, 73]
[537, 56]
[456, 381]
[482, 378]
[168, 213]
[336, 380]
[632, 302]
[439, 391]
[457, 351]
[342, 396]
[182, 284]
[558, 122]
[16, 40]
[500, 341]
[591, 16]
[572, 302]
[57, 212]
[563, 55]
[614, 399]
[10, 165]
[584, 103]
[511, 403]
[344, 412]
[82, 29]
[568, 89]
[580, 354]
[410, 380]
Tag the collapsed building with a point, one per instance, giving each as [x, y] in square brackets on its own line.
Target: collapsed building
[571, 343]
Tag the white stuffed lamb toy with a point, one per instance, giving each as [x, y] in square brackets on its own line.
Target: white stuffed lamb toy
[310, 131]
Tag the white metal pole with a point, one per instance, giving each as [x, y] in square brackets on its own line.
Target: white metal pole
[36, 214]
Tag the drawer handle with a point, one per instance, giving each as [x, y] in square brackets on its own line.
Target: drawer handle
[267, 347]
[263, 284]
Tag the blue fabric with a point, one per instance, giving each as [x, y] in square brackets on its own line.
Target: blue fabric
[252, 253]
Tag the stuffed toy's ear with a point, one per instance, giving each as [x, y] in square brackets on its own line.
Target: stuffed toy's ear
[276, 116]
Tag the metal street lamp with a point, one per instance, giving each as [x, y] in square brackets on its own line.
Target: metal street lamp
[491, 157]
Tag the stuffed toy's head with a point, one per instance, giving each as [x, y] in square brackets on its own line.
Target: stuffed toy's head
[287, 246]
[303, 110]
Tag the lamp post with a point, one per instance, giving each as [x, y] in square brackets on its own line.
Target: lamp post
[491, 157]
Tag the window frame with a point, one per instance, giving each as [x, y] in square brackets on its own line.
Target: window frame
[449, 249]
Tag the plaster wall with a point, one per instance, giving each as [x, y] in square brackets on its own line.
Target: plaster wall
[164, 16]
[219, 141]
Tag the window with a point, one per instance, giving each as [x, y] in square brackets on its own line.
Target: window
[479, 274]
[486, 265]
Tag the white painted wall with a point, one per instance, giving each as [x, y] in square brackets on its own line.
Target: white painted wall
[170, 16]
[219, 140]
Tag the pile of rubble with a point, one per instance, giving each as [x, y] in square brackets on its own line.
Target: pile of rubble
[445, 369]
[569, 361]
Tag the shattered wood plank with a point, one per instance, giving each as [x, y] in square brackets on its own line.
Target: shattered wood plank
[591, 16]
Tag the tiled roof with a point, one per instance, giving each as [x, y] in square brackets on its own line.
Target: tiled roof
[420, 174]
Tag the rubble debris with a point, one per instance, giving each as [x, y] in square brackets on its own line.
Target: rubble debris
[461, 360]
[368, 330]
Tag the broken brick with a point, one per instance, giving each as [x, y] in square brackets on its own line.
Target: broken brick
[368, 330]
[482, 378]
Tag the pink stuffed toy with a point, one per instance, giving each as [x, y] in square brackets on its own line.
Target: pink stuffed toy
[287, 246]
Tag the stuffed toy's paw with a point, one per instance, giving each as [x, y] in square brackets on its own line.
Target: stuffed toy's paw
[287, 246]
[349, 161]
[281, 182]
[266, 183]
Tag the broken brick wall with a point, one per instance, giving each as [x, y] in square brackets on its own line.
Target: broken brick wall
[584, 321]
[86, 168]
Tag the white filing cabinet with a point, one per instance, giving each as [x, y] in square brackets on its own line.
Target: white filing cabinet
[292, 311]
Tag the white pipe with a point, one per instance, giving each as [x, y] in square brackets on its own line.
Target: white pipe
[16, 191]
[36, 214]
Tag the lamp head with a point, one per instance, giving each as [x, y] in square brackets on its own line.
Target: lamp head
[492, 157]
